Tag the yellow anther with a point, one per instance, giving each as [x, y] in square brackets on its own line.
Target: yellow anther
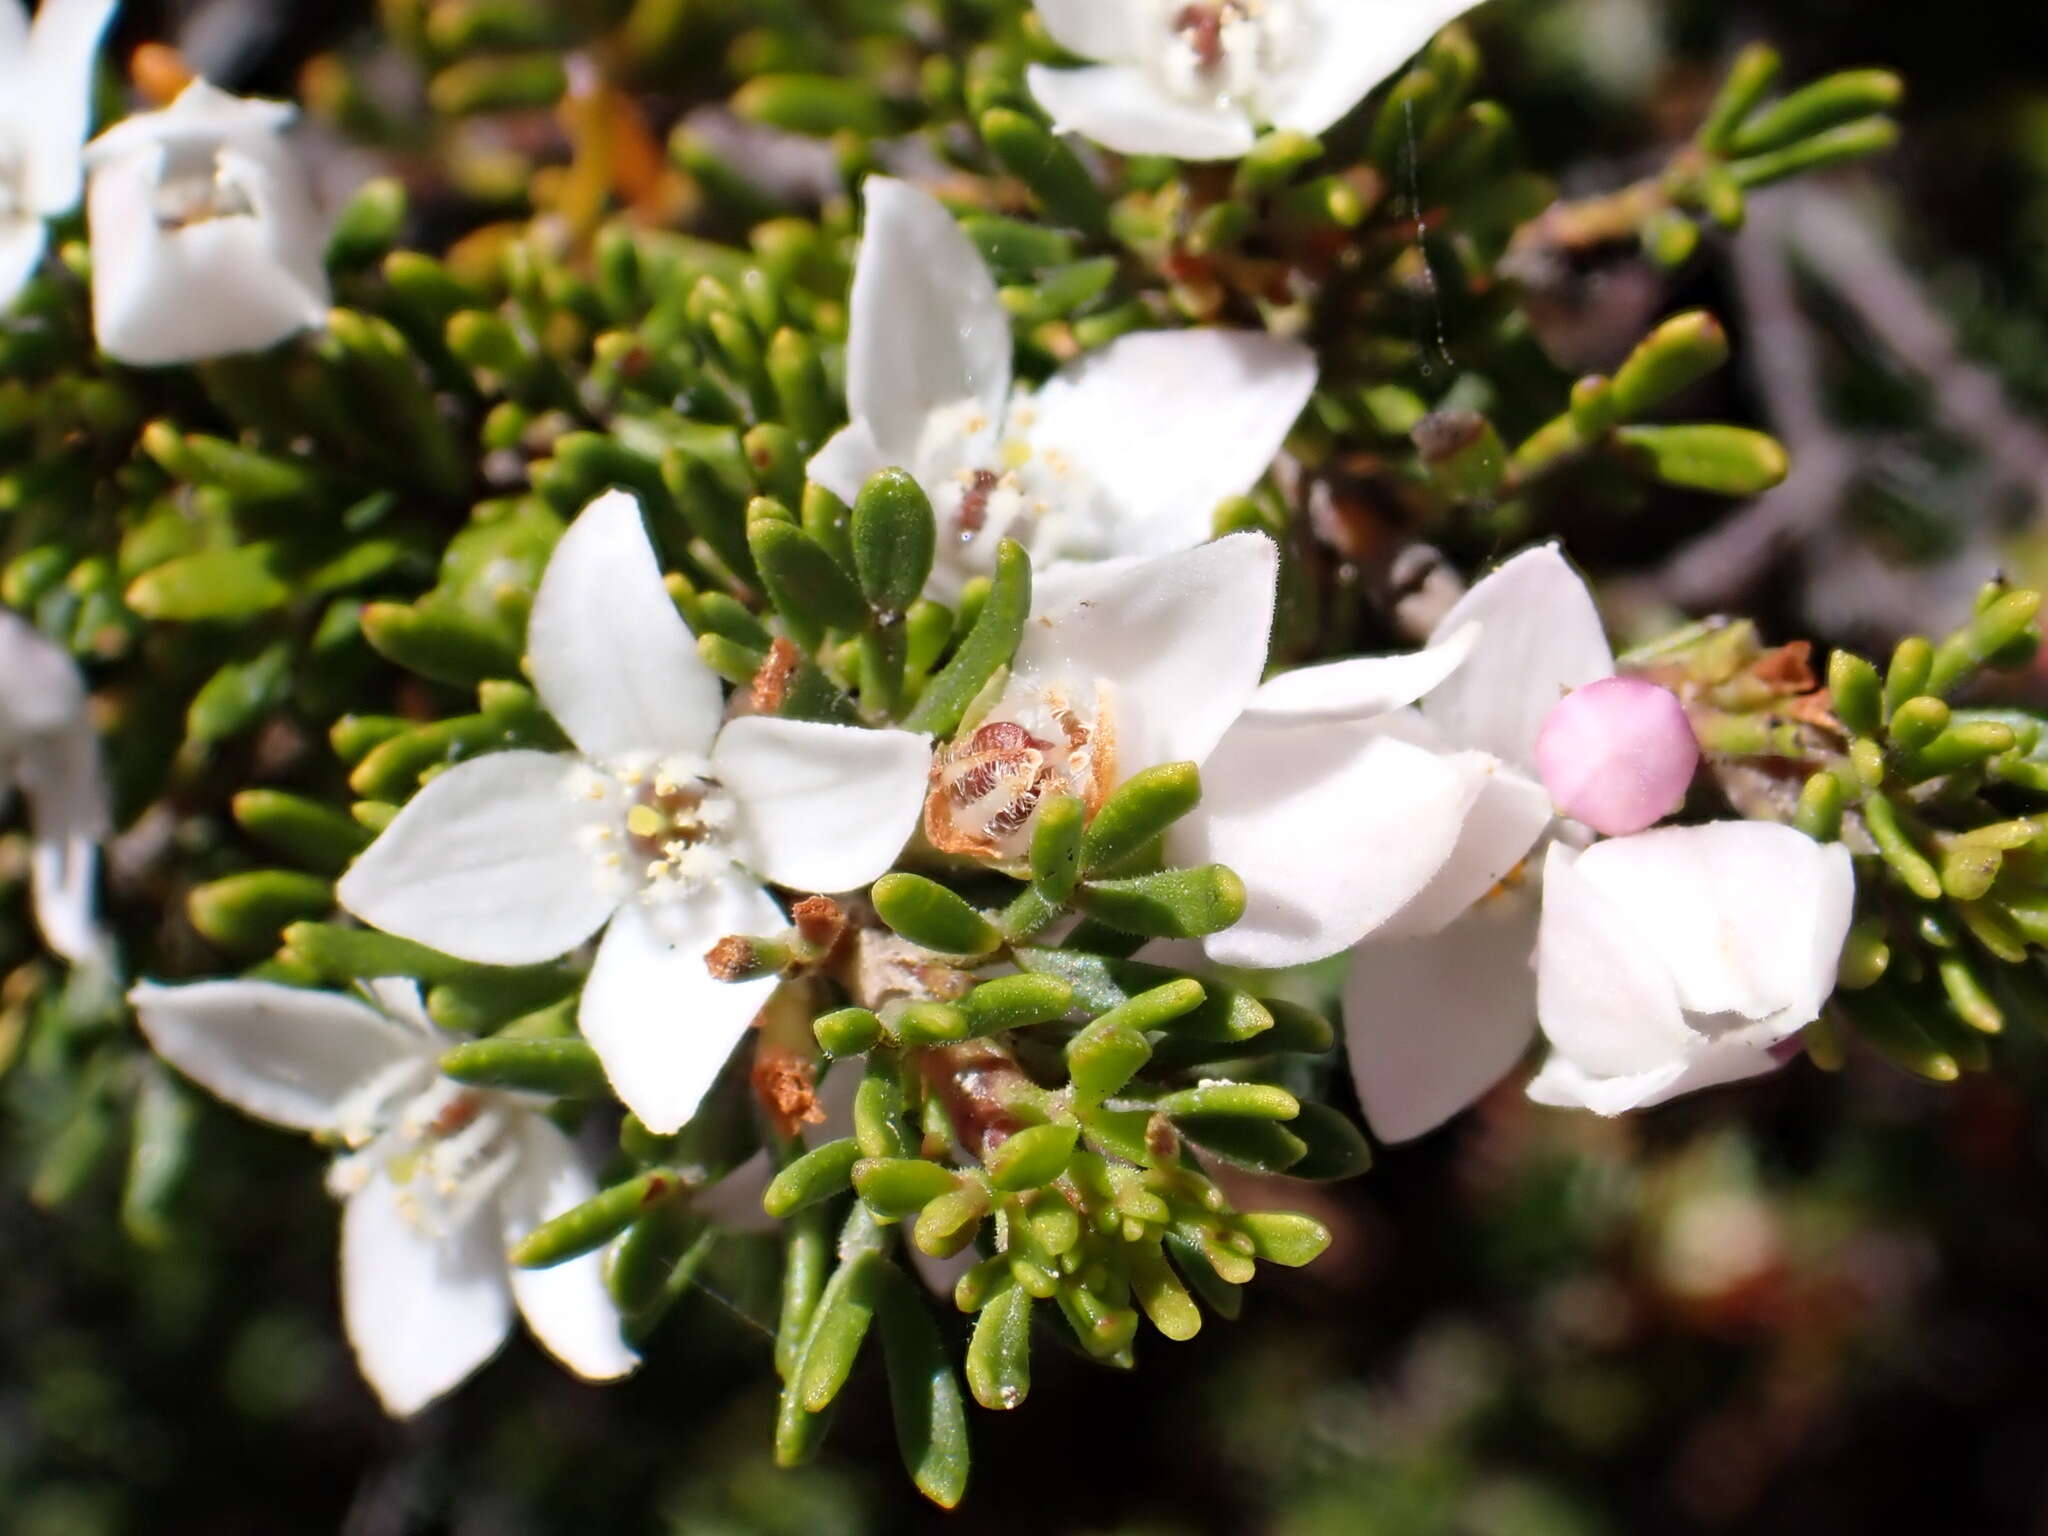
[1016, 453]
[646, 821]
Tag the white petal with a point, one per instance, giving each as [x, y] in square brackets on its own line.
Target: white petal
[282, 1054]
[398, 999]
[1747, 917]
[1603, 994]
[1431, 1023]
[1120, 108]
[61, 51]
[1169, 424]
[1354, 48]
[652, 1012]
[14, 31]
[22, 238]
[611, 658]
[1179, 639]
[59, 773]
[1364, 686]
[566, 1305]
[821, 807]
[1708, 1064]
[490, 862]
[421, 1312]
[202, 113]
[846, 461]
[1540, 637]
[926, 329]
[209, 289]
[1333, 831]
[1507, 815]
[1108, 30]
[40, 686]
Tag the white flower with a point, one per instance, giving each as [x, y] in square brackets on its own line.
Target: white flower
[1404, 833]
[437, 1179]
[1127, 452]
[1124, 665]
[661, 825]
[48, 751]
[1679, 958]
[205, 240]
[45, 107]
[1197, 79]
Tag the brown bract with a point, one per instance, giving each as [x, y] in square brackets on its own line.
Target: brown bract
[785, 1084]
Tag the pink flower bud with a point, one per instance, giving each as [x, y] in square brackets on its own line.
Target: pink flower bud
[1617, 754]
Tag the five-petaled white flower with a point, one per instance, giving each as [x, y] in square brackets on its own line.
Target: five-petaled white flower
[205, 240]
[661, 828]
[45, 108]
[437, 1179]
[1197, 79]
[1124, 665]
[1390, 805]
[1127, 452]
[49, 752]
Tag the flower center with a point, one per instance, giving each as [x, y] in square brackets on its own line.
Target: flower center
[989, 481]
[988, 787]
[446, 1146]
[670, 834]
[1219, 50]
[196, 186]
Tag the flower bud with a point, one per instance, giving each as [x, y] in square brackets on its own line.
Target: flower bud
[1617, 754]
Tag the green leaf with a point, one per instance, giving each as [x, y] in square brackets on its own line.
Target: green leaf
[1337, 1149]
[924, 1394]
[1285, 1237]
[988, 647]
[927, 913]
[1173, 904]
[1258, 1101]
[1032, 1157]
[802, 579]
[315, 835]
[894, 537]
[898, 1187]
[1262, 1146]
[818, 1175]
[1728, 461]
[368, 225]
[439, 641]
[844, 1313]
[846, 1031]
[1840, 98]
[1748, 78]
[999, 1353]
[560, 1068]
[1016, 1002]
[1673, 357]
[1051, 170]
[1104, 1057]
[363, 954]
[596, 1221]
[1227, 1014]
[246, 913]
[878, 1109]
[1056, 847]
[817, 106]
[213, 586]
[653, 1264]
[1142, 807]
